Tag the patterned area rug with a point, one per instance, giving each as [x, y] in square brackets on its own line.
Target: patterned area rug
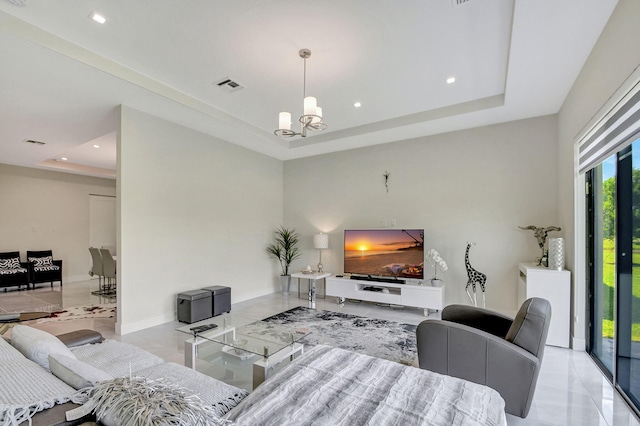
[380, 338]
[81, 312]
[99, 311]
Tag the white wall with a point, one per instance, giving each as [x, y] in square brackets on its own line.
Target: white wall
[474, 185]
[194, 211]
[102, 222]
[612, 60]
[44, 210]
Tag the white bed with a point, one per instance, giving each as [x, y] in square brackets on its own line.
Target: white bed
[331, 386]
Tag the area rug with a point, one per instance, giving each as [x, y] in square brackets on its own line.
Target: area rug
[98, 311]
[81, 312]
[380, 338]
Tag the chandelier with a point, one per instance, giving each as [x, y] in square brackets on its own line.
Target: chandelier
[312, 117]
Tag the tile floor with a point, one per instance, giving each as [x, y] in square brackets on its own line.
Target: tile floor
[571, 390]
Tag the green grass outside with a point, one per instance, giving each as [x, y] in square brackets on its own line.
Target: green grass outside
[608, 295]
[607, 330]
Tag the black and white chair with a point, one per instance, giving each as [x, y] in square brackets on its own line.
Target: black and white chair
[13, 273]
[44, 269]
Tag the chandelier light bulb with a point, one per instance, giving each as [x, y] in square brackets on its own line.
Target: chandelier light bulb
[317, 119]
[284, 121]
[310, 105]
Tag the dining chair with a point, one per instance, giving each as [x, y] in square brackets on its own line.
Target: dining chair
[97, 267]
[109, 269]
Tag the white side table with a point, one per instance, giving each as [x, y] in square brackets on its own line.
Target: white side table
[312, 284]
[555, 286]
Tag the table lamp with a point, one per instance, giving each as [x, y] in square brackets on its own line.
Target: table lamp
[320, 242]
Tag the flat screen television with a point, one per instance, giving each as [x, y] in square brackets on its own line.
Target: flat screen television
[397, 253]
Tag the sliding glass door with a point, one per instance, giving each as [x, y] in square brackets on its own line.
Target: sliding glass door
[614, 260]
[602, 233]
[628, 330]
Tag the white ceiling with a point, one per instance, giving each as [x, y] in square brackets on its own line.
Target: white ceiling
[63, 75]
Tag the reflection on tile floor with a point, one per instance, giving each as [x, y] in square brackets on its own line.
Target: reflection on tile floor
[571, 390]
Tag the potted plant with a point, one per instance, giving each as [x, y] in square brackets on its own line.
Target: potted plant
[434, 259]
[286, 251]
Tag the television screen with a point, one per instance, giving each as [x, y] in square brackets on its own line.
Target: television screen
[384, 252]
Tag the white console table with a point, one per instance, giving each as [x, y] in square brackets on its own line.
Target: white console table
[555, 286]
[409, 294]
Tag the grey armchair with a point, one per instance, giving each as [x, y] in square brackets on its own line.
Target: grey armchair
[489, 348]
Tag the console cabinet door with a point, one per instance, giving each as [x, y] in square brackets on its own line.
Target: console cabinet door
[424, 297]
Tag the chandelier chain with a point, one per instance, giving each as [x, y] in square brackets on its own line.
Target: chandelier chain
[304, 79]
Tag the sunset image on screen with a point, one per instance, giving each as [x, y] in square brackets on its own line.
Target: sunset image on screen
[384, 252]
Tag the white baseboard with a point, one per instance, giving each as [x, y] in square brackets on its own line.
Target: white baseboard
[122, 329]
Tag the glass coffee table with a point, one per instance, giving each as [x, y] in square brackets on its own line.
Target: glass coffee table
[245, 339]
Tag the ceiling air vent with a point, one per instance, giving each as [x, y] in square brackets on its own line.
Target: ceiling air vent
[20, 3]
[34, 142]
[456, 3]
[229, 85]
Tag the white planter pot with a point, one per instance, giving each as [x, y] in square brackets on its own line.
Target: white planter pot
[285, 282]
[436, 282]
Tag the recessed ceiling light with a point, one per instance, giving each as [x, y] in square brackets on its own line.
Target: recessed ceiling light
[357, 104]
[96, 146]
[64, 158]
[451, 80]
[98, 18]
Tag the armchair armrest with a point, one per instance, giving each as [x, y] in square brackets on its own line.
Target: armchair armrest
[478, 318]
[465, 352]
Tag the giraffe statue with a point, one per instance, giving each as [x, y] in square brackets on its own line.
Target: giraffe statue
[475, 277]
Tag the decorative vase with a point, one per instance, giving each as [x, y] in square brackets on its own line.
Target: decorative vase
[285, 281]
[556, 254]
[436, 282]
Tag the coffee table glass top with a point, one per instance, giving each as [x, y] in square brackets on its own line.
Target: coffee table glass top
[246, 336]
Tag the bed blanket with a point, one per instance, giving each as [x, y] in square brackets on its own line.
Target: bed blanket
[25, 387]
[220, 396]
[116, 358]
[332, 386]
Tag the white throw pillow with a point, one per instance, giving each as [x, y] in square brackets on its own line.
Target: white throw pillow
[76, 373]
[37, 344]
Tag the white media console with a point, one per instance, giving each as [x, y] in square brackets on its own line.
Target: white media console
[409, 294]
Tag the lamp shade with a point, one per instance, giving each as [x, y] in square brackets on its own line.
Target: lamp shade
[321, 241]
[284, 121]
[317, 119]
[310, 105]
